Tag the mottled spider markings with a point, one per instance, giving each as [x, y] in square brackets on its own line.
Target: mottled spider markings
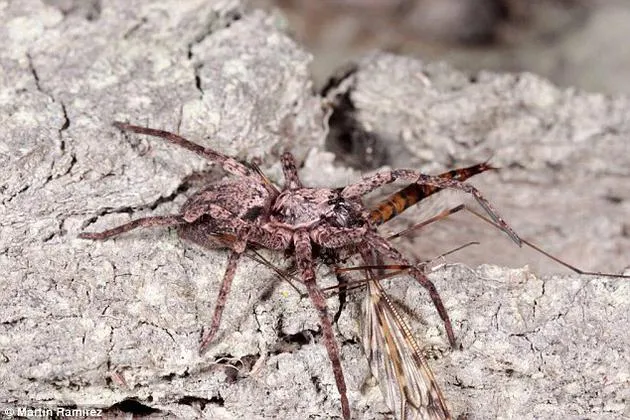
[253, 213]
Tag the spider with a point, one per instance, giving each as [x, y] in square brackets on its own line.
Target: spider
[251, 212]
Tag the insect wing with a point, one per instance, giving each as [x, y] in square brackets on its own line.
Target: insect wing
[407, 383]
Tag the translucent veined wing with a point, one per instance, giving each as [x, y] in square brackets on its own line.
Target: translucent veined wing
[407, 383]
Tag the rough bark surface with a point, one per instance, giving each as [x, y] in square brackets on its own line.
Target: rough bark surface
[116, 324]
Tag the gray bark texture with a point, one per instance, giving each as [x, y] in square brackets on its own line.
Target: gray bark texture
[117, 324]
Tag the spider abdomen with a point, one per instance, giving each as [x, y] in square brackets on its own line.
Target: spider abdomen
[246, 201]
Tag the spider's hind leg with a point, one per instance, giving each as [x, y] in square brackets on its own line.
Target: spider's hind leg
[174, 220]
[226, 285]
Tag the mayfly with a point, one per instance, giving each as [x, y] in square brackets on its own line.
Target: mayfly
[407, 383]
[405, 378]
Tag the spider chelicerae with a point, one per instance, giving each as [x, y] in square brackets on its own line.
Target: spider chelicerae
[250, 211]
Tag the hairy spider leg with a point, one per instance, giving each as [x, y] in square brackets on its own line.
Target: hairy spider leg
[212, 210]
[174, 220]
[369, 183]
[401, 200]
[226, 286]
[229, 164]
[289, 169]
[249, 233]
[304, 256]
[305, 265]
[412, 194]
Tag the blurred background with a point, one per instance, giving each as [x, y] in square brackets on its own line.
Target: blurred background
[578, 43]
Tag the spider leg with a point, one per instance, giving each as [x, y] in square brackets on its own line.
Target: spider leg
[228, 163]
[291, 178]
[174, 220]
[221, 299]
[214, 211]
[334, 237]
[247, 232]
[382, 247]
[370, 183]
[304, 255]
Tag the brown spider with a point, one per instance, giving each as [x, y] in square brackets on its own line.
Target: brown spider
[251, 212]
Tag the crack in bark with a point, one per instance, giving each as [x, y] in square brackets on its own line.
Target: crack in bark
[217, 22]
[158, 327]
[135, 27]
[64, 125]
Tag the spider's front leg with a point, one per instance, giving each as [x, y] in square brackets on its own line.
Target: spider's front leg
[246, 232]
[369, 183]
[304, 255]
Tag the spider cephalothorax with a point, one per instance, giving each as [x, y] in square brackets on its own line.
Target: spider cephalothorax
[310, 207]
[251, 212]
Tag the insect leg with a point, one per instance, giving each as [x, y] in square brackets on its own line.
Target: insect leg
[446, 213]
[545, 253]
[442, 215]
